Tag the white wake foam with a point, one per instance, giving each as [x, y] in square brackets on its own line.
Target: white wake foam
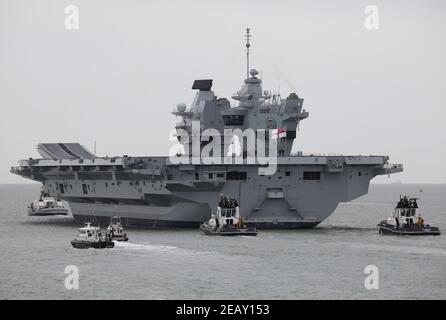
[158, 248]
[143, 246]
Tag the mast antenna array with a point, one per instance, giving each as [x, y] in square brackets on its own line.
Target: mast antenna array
[247, 37]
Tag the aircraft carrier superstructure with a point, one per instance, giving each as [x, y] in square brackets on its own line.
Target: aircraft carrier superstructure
[162, 192]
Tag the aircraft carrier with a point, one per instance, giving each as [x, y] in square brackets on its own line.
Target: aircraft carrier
[181, 191]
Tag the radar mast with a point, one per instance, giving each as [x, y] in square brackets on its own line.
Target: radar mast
[247, 37]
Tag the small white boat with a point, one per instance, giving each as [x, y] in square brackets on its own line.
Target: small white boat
[116, 230]
[91, 236]
[47, 206]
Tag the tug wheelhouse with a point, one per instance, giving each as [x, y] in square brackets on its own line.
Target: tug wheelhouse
[406, 220]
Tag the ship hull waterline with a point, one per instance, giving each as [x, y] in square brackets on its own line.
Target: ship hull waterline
[401, 231]
[161, 224]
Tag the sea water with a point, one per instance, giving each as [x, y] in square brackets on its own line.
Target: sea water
[327, 262]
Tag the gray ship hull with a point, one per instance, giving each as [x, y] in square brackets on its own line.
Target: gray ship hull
[187, 215]
[129, 221]
[184, 215]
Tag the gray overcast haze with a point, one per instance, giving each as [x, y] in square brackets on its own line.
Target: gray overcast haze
[117, 78]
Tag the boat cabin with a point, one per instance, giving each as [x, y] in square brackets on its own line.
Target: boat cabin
[228, 213]
[115, 227]
[90, 233]
[405, 213]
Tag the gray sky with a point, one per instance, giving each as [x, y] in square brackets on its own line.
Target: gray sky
[116, 79]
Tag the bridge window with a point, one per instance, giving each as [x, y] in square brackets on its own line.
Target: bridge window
[233, 120]
[312, 175]
[291, 134]
[61, 188]
[84, 188]
[236, 175]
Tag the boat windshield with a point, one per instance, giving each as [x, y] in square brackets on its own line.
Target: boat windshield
[407, 212]
[228, 212]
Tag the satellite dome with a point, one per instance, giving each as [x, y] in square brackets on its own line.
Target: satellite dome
[181, 107]
[253, 72]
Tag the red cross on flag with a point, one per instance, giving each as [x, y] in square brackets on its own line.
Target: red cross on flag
[278, 133]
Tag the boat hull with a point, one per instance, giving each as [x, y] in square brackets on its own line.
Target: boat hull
[48, 212]
[251, 231]
[89, 244]
[120, 239]
[387, 229]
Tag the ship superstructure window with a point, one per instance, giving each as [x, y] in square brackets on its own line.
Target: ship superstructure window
[312, 175]
[236, 175]
[197, 176]
[233, 120]
[291, 134]
[61, 188]
[84, 188]
[271, 123]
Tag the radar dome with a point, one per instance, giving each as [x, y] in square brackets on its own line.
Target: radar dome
[253, 72]
[181, 107]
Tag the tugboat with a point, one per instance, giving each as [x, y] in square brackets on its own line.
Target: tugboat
[92, 237]
[116, 230]
[227, 220]
[47, 206]
[402, 221]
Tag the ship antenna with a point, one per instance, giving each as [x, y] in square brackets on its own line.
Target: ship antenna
[248, 37]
